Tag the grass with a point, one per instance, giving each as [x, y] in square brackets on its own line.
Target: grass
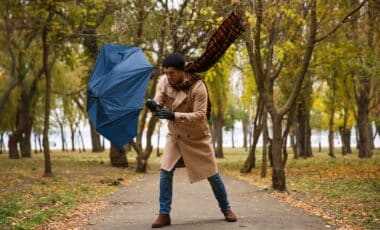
[348, 188]
[27, 199]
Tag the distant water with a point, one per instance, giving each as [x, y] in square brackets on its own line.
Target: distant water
[322, 137]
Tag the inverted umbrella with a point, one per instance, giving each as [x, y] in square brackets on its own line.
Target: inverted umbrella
[116, 90]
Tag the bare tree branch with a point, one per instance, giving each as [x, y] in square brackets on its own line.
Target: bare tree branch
[344, 20]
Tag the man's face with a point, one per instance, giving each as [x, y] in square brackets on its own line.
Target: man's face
[175, 76]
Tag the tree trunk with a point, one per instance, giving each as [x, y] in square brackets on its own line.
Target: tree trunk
[13, 145]
[39, 143]
[363, 88]
[219, 136]
[91, 43]
[62, 136]
[342, 138]
[143, 156]
[232, 136]
[296, 139]
[118, 157]
[348, 140]
[35, 143]
[308, 139]
[2, 148]
[331, 133]
[345, 132]
[265, 145]
[270, 152]
[95, 139]
[16, 136]
[345, 135]
[319, 142]
[278, 170]
[141, 164]
[25, 145]
[213, 136]
[293, 142]
[72, 137]
[371, 140]
[363, 123]
[245, 133]
[250, 162]
[284, 149]
[81, 140]
[47, 71]
[303, 126]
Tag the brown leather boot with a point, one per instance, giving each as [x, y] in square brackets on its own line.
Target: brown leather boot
[229, 216]
[161, 221]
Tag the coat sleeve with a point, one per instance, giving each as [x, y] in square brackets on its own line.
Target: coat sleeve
[199, 107]
[160, 91]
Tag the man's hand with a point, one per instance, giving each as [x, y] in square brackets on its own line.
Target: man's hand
[152, 105]
[165, 114]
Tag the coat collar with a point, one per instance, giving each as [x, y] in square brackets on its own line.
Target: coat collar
[180, 97]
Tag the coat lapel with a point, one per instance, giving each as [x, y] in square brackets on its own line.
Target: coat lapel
[180, 97]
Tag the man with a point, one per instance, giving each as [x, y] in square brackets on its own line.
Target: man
[185, 98]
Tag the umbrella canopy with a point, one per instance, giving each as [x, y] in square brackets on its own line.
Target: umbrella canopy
[116, 92]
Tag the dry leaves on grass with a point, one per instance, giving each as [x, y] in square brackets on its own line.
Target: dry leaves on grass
[343, 224]
[77, 218]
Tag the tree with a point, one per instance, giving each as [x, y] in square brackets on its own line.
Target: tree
[253, 106]
[47, 72]
[218, 83]
[363, 72]
[265, 76]
[19, 27]
[271, 47]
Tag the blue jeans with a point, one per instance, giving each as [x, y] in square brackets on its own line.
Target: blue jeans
[166, 191]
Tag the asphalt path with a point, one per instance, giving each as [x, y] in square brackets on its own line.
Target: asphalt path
[194, 207]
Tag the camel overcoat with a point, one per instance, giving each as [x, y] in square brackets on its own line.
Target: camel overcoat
[189, 134]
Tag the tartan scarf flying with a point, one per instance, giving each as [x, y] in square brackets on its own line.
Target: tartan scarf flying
[230, 29]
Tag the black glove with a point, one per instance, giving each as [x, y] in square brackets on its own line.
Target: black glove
[152, 105]
[165, 114]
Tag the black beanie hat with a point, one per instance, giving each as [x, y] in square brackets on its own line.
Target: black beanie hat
[175, 60]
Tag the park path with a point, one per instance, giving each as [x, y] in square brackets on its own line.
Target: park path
[194, 207]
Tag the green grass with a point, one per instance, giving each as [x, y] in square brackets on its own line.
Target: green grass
[347, 187]
[27, 199]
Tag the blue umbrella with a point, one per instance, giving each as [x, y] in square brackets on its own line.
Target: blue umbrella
[116, 92]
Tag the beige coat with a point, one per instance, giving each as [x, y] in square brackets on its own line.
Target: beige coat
[189, 134]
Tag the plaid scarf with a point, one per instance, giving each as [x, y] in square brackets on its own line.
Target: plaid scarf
[224, 36]
[230, 29]
[187, 82]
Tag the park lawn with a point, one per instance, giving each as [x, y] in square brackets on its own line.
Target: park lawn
[345, 189]
[27, 199]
